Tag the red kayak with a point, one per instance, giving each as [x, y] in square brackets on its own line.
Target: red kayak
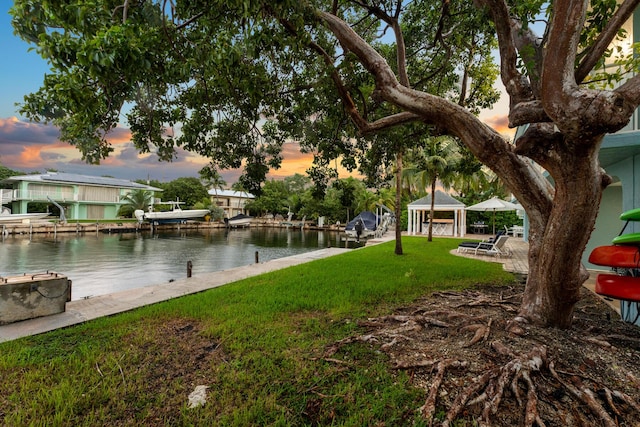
[619, 287]
[616, 256]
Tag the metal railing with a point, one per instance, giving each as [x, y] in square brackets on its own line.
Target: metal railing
[60, 196]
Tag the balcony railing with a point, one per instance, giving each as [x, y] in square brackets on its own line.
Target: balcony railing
[58, 196]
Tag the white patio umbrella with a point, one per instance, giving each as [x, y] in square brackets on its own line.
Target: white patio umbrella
[494, 205]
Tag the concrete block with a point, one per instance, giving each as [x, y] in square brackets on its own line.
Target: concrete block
[33, 295]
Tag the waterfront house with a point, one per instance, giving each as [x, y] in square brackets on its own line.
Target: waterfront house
[82, 196]
[232, 202]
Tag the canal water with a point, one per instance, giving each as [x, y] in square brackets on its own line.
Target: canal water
[100, 263]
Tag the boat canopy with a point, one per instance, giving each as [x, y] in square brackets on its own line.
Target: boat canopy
[368, 219]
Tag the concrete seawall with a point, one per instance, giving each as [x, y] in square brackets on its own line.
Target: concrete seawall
[49, 227]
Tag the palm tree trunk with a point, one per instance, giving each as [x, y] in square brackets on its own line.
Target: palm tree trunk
[398, 207]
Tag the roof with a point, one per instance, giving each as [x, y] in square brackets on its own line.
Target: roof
[231, 193]
[443, 201]
[71, 178]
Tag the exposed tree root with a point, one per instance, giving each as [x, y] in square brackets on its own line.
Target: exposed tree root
[477, 363]
[430, 405]
[585, 395]
[481, 332]
[516, 370]
[601, 341]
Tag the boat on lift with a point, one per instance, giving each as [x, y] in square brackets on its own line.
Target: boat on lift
[363, 226]
[175, 215]
[240, 220]
[7, 217]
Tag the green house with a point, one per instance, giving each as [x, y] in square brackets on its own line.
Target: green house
[82, 196]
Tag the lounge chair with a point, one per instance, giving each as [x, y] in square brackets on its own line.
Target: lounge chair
[473, 244]
[496, 248]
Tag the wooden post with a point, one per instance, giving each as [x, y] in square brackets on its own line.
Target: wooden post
[189, 268]
[257, 258]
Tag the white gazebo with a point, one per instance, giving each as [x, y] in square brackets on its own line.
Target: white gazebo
[419, 216]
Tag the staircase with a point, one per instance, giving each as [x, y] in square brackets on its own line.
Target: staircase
[6, 196]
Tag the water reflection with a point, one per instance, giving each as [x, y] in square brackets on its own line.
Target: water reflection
[104, 263]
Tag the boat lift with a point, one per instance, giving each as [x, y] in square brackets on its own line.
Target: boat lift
[63, 218]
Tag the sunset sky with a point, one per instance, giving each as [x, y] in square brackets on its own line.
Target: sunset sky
[28, 147]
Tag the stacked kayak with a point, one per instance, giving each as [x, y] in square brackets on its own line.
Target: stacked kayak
[623, 257]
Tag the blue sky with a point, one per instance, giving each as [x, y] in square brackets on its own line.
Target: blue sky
[29, 147]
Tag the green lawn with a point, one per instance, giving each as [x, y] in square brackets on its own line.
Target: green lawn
[256, 343]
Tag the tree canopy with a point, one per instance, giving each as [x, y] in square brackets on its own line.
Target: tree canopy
[5, 172]
[240, 78]
[185, 190]
[232, 81]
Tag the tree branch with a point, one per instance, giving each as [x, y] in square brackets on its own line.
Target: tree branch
[597, 49]
[389, 122]
[514, 82]
[457, 120]
[558, 75]
[401, 50]
[347, 100]
[524, 113]
[630, 90]
[485, 143]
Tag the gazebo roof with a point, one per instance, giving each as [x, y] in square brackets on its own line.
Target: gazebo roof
[443, 201]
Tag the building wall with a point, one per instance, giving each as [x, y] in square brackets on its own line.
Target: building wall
[230, 205]
[80, 201]
[608, 224]
[619, 197]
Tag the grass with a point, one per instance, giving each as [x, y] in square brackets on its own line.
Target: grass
[256, 343]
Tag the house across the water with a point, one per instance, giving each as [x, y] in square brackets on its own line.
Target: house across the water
[82, 196]
[232, 202]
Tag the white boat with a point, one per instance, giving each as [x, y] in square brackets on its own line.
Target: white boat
[240, 220]
[6, 216]
[176, 214]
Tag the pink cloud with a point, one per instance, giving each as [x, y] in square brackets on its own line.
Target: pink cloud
[500, 123]
[293, 161]
[28, 147]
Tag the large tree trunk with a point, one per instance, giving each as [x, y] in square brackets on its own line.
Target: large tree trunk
[566, 124]
[558, 237]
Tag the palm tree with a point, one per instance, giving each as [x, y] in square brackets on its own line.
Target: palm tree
[472, 177]
[135, 199]
[240, 188]
[437, 162]
[212, 180]
[366, 200]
